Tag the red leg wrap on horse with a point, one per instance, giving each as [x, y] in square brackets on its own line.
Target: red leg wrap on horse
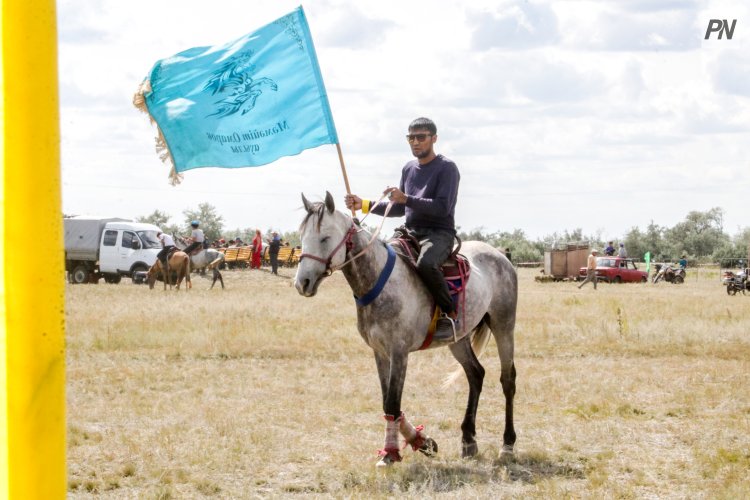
[391, 438]
[413, 435]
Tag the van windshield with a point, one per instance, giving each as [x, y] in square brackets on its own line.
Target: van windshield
[149, 239]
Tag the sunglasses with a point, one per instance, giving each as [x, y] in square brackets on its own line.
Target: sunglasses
[418, 137]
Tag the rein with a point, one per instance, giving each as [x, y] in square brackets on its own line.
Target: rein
[347, 241]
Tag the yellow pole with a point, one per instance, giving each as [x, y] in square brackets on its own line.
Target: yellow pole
[33, 339]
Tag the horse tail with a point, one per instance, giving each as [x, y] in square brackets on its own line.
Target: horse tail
[478, 345]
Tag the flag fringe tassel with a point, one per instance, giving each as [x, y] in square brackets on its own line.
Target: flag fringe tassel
[139, 101]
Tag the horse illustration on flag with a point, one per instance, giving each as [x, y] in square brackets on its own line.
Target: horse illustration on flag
[235, 78]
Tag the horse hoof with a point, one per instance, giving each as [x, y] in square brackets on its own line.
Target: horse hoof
[469, 450]
[429, 447]
[507, 451]
[387, 458]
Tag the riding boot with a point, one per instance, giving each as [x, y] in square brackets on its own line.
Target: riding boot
[390, 452]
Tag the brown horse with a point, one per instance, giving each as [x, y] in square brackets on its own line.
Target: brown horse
[178, 264]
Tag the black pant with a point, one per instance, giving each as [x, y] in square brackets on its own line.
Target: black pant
[274, 261]
[193, 246]
[437, 245]
[162, 255]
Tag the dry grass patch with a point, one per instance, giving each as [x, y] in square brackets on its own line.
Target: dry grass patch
[628, 391]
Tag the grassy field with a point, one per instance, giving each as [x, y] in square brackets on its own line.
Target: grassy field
[629, 391]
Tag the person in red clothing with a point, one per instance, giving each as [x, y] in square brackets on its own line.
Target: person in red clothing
[257, 250]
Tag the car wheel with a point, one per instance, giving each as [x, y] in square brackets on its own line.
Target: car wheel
[112, 278]
[617, 279]
[80, 274]
[137, 268]
[644, 279]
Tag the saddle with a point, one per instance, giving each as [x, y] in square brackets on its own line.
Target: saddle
[456, 271]
[408, 247]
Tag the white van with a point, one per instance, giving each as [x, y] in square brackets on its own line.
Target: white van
[109, 248]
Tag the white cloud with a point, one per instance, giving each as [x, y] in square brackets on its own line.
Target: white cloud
[516, 25]
[559, 114]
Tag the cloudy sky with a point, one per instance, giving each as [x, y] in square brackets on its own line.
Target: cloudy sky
[600, 115]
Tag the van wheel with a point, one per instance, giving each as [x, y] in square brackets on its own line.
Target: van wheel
[112, 278]
[136, 269]
[80, 274]
[617, 279]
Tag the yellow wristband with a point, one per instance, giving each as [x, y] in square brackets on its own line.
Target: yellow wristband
[365, 206]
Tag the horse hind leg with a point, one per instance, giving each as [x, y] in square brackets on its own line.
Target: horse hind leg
[217, 276]
[503, 332]
[464, 354]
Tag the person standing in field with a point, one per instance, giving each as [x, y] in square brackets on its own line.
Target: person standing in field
[274, 244]
[590, 269]
[257, 250]
[426, 195]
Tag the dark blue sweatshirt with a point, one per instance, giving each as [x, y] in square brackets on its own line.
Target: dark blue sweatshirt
[431, 191]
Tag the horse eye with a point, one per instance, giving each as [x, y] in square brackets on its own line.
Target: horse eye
[324, 239]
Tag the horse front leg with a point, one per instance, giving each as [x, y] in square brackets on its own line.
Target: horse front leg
[464, 354]
[392, 372]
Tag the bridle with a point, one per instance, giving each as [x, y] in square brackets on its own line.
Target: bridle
[348, 242]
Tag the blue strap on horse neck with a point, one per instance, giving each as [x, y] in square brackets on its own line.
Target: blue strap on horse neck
[367, 298]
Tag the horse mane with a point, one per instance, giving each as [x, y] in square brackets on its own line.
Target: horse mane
[316, 208]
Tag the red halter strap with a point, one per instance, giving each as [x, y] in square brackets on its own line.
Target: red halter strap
[347, 240]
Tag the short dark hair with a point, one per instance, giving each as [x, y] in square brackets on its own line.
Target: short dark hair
[424, 123]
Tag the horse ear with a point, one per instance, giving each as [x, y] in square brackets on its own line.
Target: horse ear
[306, 204]
[329, 203]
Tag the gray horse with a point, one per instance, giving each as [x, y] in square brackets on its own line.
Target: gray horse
[396, 322]
[207, 258]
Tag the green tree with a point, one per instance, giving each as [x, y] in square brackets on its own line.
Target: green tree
[519, 245]
[211, 223]
[699, 235]
[161, 220]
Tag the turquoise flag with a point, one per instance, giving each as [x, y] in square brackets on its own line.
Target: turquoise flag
[647, 259]
[242, 104]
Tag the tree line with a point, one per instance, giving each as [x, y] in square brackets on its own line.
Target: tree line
[700, 236]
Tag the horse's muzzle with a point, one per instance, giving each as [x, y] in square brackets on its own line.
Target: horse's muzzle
[307, 287]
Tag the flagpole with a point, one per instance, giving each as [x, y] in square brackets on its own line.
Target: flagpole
[343, 171]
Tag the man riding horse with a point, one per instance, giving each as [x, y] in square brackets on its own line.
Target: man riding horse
[196, 238]
[427, 195]
[167, 244]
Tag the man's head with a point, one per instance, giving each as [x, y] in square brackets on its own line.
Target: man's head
[594, 251]
[422, 137]
[195, 224]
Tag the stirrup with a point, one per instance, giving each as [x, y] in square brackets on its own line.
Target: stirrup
[445, 328]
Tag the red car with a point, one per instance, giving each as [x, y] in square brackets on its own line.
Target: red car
[616, 270]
